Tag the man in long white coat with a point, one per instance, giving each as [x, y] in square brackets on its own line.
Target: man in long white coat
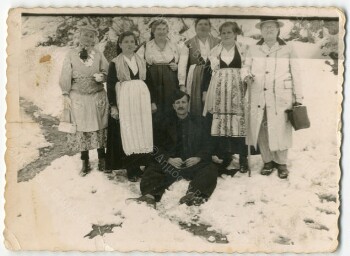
[272, 73]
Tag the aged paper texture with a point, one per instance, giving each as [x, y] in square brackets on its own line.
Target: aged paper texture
[245, 67]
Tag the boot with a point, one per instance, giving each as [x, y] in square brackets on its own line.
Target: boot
[85, 168]
[192, 199]
[282, 171]
[223, 167]
[134, 173]
[268, 168]
[243, 164]
[101, 165]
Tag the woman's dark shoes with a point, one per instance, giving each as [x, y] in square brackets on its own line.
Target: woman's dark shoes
[101, 165]
[133, 179]
[230, 172]
[86, 168]
[282, 171]
[192, 199]
[268, 168]
[243, 164]
[134, 174]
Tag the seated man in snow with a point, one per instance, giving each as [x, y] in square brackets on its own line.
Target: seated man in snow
[181, 153]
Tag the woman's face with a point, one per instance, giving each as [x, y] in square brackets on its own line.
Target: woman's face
[161, 31]
[269, 30]
[227, 35]
[203, 27]
[87, 38]
[128, 45]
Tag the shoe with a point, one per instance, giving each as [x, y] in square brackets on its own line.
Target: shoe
[86, 168]
[243, 164]
[148, 199]
[133, 179]
[268, 168]
[101, 165]
[282, 171]
[230, 172]
[191, 199]
[134, 174]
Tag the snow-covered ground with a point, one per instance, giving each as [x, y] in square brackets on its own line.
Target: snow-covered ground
[58, 207]
[22, 145]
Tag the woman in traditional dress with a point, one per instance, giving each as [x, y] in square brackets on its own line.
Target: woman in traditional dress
[130, 134]
[193, 61]
[225, 98]
[81, 81]
[162, 57]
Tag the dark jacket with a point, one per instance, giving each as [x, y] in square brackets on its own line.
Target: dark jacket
[167, 142]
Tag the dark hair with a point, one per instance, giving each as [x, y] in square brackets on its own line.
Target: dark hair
[121, 38]
[196, 21]
[155, 24]
[231, 24]
[178, 94]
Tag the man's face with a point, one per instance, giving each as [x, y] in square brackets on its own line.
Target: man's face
[181, 105]
[269, 30]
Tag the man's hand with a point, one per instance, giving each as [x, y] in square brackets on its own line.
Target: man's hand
[176, 162]
[249, 79]
[192, 161]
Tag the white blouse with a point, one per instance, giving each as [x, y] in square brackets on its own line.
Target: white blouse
[153, 54]
[228, 55]
[204, 48]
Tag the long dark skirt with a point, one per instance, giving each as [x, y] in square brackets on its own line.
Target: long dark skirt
[115, 156]
[165, 82]
[224, 147]
[197, 91]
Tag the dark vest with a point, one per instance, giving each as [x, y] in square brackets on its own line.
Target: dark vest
[194, 56]
[235, 63]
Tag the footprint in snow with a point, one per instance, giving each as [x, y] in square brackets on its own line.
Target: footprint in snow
[315, 225]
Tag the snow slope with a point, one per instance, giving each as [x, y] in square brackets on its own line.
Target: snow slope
[257, 213]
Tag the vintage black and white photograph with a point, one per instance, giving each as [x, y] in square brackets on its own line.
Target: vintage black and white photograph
[169, 129]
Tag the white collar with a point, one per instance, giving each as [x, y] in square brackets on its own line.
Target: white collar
[228, 55]
[132, 64]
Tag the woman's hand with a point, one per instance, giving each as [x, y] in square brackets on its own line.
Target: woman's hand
[183, 88]
[99, 77]
[67, 102]
[204, 97]
[154, 107]
[114, 112]
[173, 66]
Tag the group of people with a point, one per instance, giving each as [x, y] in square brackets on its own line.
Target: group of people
[171, 109]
